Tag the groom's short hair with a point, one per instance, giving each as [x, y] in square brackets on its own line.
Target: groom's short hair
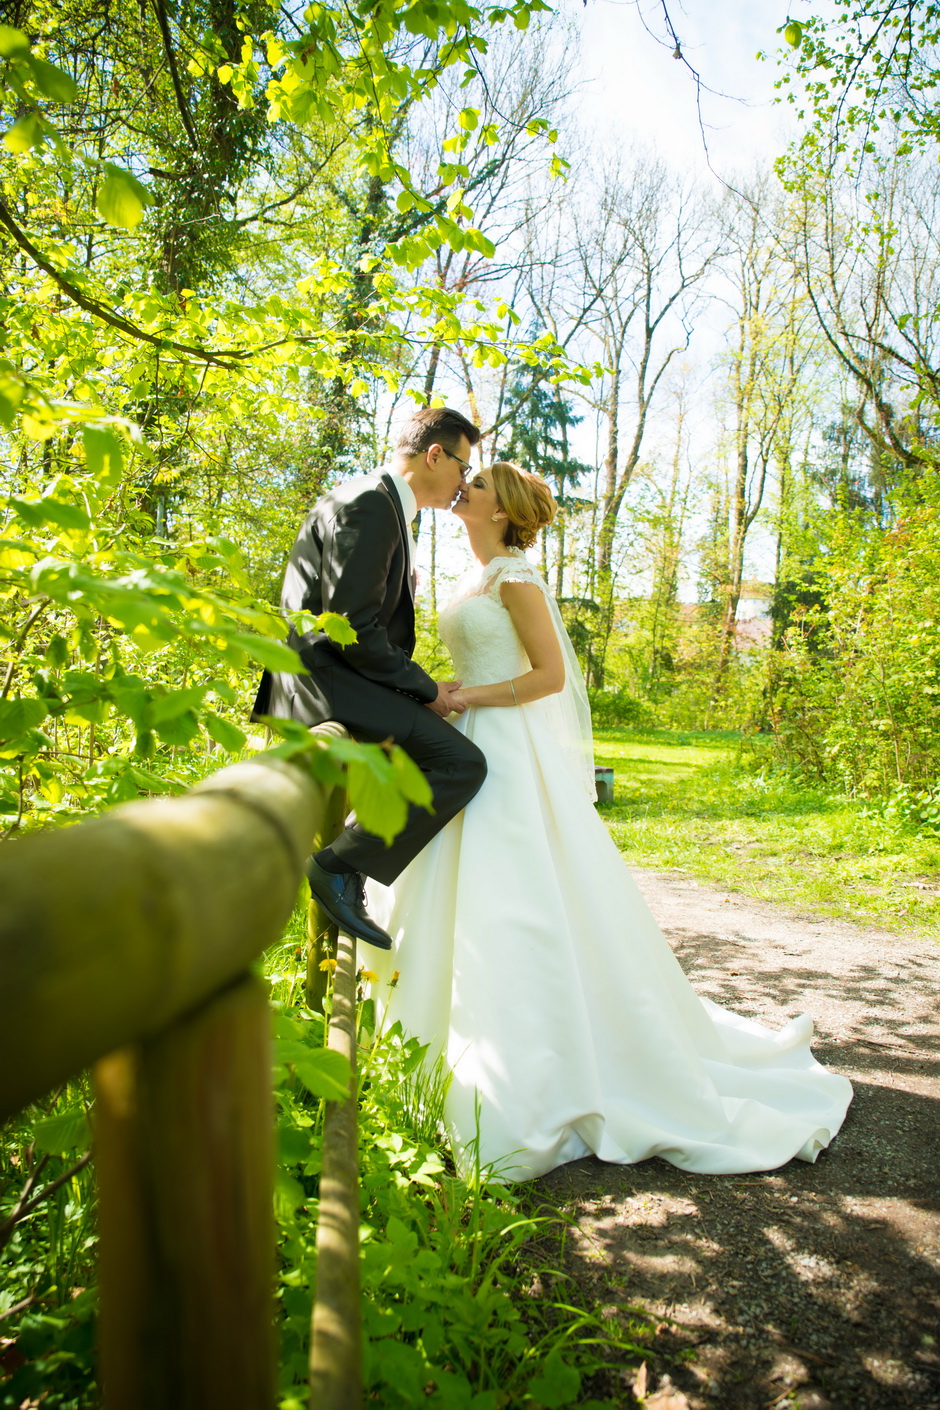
[435, 425]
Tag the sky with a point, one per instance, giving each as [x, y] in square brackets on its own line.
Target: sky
[634, 86]
[634, 91]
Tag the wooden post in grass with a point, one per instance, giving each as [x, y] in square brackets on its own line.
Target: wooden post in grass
[124, 943]
[321, 931]
[335, 1334]
[184, 1149]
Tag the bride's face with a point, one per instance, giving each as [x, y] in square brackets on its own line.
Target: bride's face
[477, 503]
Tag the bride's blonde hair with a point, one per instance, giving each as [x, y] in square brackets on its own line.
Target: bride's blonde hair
[525, 499]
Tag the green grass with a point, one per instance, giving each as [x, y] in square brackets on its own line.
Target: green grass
[711, 806]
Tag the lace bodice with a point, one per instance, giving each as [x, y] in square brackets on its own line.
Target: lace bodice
[477, 629]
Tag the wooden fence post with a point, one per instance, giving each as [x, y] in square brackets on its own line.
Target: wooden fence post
[321, 931]
[185, 1158]
[335, 1335]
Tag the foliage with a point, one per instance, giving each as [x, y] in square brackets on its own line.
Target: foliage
[613, 708]
[864, 66]
[47, 1254]
[127, 656]
[714, 806]
[164, 389]
[451, 1268]
[449, 1320]
[855, 690]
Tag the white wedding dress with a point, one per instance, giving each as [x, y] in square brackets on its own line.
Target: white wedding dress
[528, 957]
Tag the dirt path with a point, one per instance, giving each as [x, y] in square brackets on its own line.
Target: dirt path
[813, 1286]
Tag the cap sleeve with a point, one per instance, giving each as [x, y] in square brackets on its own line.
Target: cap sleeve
[516, 569]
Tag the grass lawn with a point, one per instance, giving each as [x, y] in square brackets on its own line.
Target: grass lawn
[708, 805]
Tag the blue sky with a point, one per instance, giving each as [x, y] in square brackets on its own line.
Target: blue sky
[634, 86]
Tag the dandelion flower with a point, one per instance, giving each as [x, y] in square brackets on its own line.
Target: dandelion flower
[368, 976]
[328, 965]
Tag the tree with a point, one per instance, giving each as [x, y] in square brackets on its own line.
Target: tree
[539, 440]
[864, 66]
[767, 360]
[131, 401]
[644, 245]
[869, 259]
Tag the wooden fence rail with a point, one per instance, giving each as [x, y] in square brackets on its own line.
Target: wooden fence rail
[125, 946]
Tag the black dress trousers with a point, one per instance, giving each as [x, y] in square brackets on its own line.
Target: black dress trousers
[351, 556]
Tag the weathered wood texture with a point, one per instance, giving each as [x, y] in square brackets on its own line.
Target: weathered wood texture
[124, 943]
[111, 930]
[335, 1341]
[184, 1150]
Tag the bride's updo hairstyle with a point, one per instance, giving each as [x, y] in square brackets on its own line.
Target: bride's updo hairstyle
[526, 500]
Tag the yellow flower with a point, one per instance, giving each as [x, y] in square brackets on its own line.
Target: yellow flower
[328, 965]
[368, 976]
[394, 979]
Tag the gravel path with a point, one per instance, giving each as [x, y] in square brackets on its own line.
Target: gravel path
[812, 1286]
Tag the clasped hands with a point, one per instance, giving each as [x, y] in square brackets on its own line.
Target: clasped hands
[447, 702]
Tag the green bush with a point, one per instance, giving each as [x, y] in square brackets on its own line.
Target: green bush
[610, 708]
[855, 688]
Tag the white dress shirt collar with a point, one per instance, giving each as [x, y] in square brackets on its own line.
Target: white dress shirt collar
[409, 507]
[406, 497]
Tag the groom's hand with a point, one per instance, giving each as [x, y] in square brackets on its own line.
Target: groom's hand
[445, 704]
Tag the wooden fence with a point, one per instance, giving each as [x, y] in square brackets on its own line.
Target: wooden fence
[125, 945]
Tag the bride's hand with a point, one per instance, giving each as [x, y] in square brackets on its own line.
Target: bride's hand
[446, 702]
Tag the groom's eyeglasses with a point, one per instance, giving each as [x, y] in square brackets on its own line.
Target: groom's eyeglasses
[465, 467]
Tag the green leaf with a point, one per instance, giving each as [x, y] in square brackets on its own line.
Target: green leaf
[411, 782]
[337, 628]
[11, 394]
[274, 655]
[793, 33]
[176, 703]
[378, 804]
[57, 652]
[180, 730]
[323, 1072]
[367, 1015]
[53, 82]
[103, 455]
[122, 198]
[36, 512]
[228, 735]
[294, 1144]
[26, 133]
[13, 42]
[289, 1193]
[556, 1384]
[149, 782]
[60, 1134]
[18, 716]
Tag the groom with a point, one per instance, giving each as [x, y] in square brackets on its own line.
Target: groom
[354, 555]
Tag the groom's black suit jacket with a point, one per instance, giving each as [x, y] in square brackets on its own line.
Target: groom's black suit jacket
[350, 556]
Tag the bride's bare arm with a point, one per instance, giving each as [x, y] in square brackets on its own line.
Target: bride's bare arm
[526, 605]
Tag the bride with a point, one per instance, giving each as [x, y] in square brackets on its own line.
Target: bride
[527, 956]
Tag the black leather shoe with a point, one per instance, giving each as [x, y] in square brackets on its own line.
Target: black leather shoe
[342, 896]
